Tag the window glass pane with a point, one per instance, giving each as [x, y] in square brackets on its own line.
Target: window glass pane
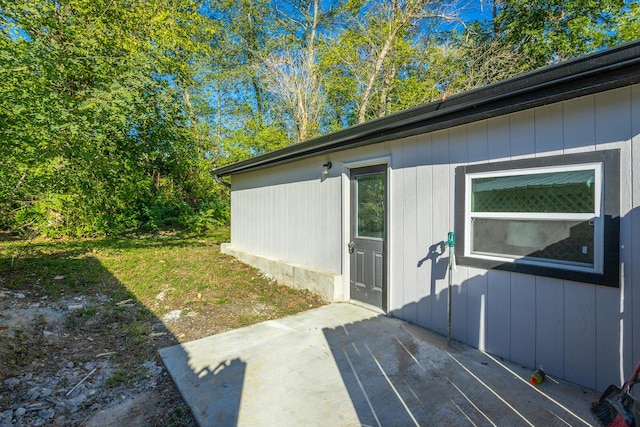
[553, 192]
[370, 190]
[559, 241]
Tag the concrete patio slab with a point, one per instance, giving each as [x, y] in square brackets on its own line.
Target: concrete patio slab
[345, 365]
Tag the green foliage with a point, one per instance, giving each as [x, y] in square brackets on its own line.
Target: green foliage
[628, 23]
[244, 119]
[92, 95]
[113, 115]
[523, 36]
[122, 376]
[187, 270]
[555, 30]
[254, 139]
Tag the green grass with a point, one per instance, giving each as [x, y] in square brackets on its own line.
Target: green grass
[126, 286]
[125, 377]
[157, 273]
[136, 265]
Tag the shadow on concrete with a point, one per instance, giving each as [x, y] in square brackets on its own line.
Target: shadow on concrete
[213, 392]
[407, 388]
[379, 378]
[344, 365]
[398, 374]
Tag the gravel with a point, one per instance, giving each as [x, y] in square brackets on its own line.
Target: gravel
[67, 378]
[38, 399]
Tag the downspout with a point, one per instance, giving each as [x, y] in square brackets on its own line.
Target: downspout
[220, 181]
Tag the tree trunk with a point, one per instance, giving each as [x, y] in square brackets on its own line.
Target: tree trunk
[366, 95]
[385, 90]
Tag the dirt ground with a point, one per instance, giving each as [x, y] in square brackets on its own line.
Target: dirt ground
[62, 366]
[90, 360]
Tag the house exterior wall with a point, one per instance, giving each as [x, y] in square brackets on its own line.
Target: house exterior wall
[289, 213]
[576, 331]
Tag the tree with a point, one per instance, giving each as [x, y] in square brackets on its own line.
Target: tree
[628, 23]
[380, 41]
[522, 36]
[292, 74]
[551, 31]
[477, 57]
[246, 118]
[113, 114]
[98, 129]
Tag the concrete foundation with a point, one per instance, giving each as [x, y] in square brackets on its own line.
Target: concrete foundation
[328, 284]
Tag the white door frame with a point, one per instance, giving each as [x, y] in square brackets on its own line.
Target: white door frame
[346, 223]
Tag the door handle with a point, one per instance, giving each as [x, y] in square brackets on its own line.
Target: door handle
[351, 246]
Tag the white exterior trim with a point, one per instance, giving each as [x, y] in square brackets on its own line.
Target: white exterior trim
[597, 168]
[346, 221]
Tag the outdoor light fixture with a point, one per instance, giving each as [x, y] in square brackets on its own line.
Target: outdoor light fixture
[326, 167]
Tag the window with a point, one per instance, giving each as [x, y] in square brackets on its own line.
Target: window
[370, 206]
[549, 216]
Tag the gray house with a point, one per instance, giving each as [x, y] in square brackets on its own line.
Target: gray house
[538, 176]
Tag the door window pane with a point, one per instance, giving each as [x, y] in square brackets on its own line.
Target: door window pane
[370, 189]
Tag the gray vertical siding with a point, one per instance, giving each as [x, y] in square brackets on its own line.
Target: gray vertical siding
[613, 125]
[290, 213]
[634, 220]
[458, 142]
[442, 222]
[580, 315]
[424, 232]
[409, 220]
[546, 133]
[581, 332]
[523, 320]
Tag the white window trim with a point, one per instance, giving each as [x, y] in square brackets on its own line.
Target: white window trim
[597, 216]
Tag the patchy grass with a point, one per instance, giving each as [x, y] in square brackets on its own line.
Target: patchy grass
[123, 299]
[125, 377]
[131, 289]
[162, 273]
